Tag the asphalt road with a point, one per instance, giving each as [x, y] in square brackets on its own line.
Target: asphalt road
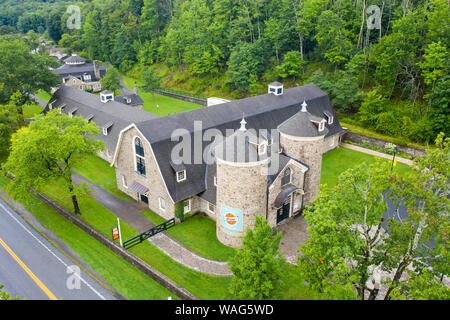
[31, 267]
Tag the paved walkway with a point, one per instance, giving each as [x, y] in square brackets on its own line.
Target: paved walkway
[294, 233]
[129, 212]
[375, 153]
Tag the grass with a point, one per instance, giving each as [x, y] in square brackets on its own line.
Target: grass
[198, 233]
[43, 95]
[340, 159]
[159, 104]
[101, 173]
[124, 277]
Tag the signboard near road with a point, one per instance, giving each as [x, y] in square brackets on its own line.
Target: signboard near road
[115, 233]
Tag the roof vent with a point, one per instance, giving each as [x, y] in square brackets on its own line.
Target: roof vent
[276, 88]
[106, 96]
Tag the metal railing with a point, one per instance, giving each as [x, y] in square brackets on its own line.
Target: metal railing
[149, 233]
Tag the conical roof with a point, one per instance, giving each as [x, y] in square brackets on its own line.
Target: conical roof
[301, 125]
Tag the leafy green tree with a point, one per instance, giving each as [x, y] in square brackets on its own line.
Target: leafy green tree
[434, 62]
[5, 295]
[47, 150]
[439, 102]
[256, 267]
[292, 65]
[23, 71]
[111, 80]
[353, 240]
[10, 120]
[373, 104]
[150, 80]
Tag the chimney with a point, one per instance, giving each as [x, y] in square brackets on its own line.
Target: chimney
[96, 69]
[106, 96]
[135, 88]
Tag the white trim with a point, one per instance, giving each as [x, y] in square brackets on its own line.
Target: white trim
[243, 164]
[160, 202]
[301, 138]
[189, 204]
[184, 175]
[119, 141]
[291, 162]
[215, 181]
[209, 210]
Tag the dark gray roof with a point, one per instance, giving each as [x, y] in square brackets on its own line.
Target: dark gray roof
[74, 59]
[102, 114]
[301, 125]
[275, 84]
[134, 99]
[66, 70]
[261, 112]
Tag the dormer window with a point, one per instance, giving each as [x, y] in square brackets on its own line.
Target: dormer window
[106, 126]
[181, 175]
[87, 77]
[329, 117]
[286, 178]
[321, 125]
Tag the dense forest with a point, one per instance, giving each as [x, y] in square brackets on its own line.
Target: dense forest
[388, 74]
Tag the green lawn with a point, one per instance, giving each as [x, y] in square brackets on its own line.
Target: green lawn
[101, 173]
[43, 95]
[159, 104]
[340, 159]
[198, 233]
[124, 277]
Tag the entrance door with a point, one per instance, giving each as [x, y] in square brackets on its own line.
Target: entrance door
[144, 199]
[283, 212]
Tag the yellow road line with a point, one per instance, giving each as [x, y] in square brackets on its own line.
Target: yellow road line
[28, 271]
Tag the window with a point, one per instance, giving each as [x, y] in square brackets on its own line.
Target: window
[139, 148]
[124, 181]
[181, 175]
[321, 125]
[286, 177]
[140, 165]
[279, 90]
[211, 208]
[262, 149]
[105, 131]
[187, 206]
[330, 120]
[162, 204]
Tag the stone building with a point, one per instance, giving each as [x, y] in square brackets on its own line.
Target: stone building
[235, 160]
[110, 115]
[76, 73]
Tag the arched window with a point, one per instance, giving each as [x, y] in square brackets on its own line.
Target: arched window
[140, 160]
[139, 147]
[286, 177]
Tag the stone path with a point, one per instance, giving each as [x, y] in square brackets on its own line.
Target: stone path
[375, 153]
[294, 233]
[129, 212]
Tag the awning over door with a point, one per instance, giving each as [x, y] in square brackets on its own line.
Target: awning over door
[139, 188]
[282, 196]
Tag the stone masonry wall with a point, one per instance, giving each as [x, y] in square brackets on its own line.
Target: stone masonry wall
[309, 152]
[240, 187]
[125, 167]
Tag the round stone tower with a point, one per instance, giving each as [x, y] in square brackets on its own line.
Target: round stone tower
[242, 165]
[302, 138]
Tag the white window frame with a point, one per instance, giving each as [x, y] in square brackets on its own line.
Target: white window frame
[215, 181]
[184, 175]
[105, 131]
[189, 206]
[321, 125]
[162, 204]
[135, 155]
[209, 208]
[330, 120]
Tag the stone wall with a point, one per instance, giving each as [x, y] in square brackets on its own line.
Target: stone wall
[361, 138]
[297, 179]
[309, 151]
[181, 97]
[125, 167]
[241, 187]
[126, 255]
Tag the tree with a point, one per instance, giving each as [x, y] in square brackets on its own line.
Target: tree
[353, 240]
[256, 267]
[150, 80]
[10, 120]
[292, 65]
[374, 103]
[47, 150]
[23, 71]
[111, 80]
[5, 295]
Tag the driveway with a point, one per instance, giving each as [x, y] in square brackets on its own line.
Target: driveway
[294, 233]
